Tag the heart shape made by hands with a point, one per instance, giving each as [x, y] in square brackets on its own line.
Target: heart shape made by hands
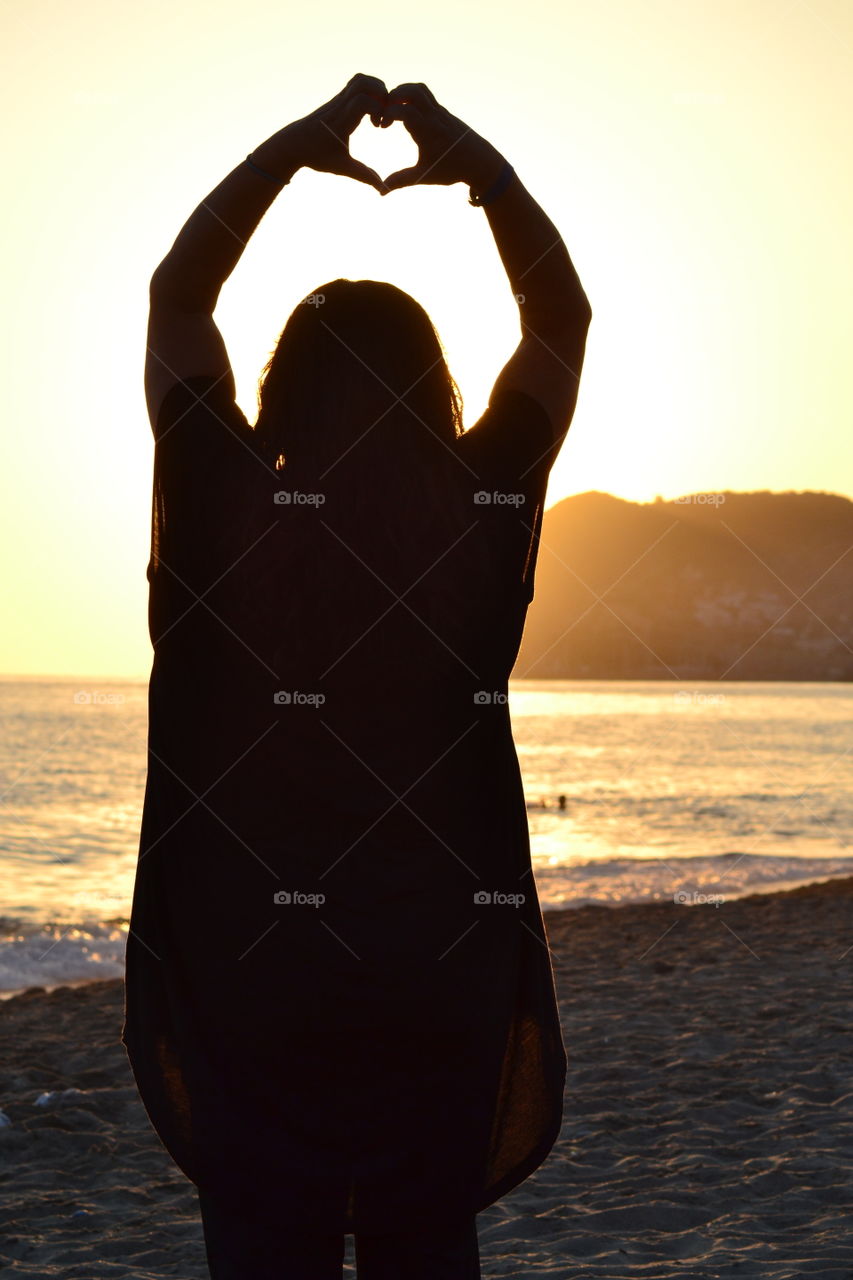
[384, 150]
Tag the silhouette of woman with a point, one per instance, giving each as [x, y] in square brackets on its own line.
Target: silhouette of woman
[339, 1001]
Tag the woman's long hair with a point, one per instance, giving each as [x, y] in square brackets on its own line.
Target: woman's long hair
[358, 366]
[358, 415]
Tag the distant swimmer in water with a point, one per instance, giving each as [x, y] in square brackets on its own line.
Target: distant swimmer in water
[543, 803]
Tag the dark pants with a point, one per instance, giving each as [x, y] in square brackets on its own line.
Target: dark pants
[238, 1250]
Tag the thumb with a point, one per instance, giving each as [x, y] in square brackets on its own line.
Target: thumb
[403, 178]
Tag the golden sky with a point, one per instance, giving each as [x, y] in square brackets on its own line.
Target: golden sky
[694, 155]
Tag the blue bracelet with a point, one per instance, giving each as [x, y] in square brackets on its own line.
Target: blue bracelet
[279, 182]
[498, 186]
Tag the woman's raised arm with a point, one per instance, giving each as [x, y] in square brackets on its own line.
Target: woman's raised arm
[554, 310]
[210, 243]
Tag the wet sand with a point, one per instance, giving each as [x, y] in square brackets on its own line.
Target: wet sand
[708, 1127]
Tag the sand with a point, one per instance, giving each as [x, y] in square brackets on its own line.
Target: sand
[708, 1126]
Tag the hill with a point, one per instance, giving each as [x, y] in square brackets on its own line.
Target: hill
[739, 586]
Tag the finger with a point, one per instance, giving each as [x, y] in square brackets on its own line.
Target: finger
[418, 95]
[367, 84]
[353, 112]
[362, 173]
[409, 115]
[403, 178]
[372, 85]
[382, 100]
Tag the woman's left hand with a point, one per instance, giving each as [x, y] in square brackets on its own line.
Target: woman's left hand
[321, 140]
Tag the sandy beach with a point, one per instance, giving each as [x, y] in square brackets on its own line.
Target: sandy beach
[708, 1128]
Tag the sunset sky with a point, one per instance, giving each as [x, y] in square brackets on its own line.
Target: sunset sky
[694, 155]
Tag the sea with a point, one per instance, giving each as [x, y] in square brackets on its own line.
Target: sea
[636, 791]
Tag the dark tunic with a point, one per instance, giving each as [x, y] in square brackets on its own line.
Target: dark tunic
[339, 999]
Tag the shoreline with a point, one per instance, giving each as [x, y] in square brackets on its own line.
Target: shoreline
[548, 910]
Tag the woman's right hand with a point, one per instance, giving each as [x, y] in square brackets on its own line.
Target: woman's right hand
[448, 150]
